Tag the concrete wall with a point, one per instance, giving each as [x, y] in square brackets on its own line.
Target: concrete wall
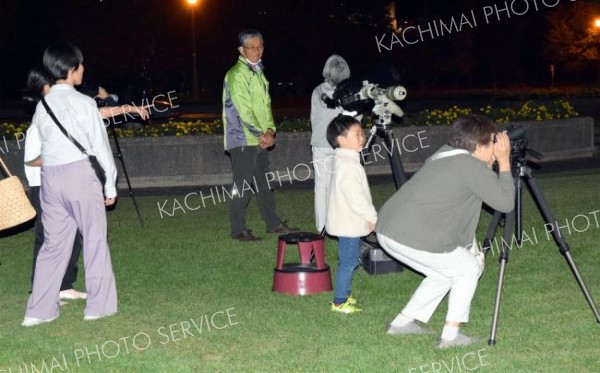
[200, 160]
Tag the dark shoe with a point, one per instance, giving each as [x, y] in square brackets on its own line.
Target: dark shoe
[246, 235]
[282, 228]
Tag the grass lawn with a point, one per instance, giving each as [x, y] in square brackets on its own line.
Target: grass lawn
[191, 299]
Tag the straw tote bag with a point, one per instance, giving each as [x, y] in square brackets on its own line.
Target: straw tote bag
[15, 207]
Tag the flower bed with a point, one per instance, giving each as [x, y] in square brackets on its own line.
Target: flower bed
[173, 128]
[508, 93]
[530, 110]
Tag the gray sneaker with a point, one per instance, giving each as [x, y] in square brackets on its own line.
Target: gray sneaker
[410, 328]
[460, 340]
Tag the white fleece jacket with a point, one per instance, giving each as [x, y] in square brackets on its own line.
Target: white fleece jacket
[350, 208]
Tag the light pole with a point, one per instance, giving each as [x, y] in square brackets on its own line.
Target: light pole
[193, 4]
[596, 39]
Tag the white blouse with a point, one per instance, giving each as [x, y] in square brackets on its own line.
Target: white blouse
[79, 115]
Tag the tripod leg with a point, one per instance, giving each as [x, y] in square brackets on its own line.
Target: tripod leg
[518, 209]
[366, 149]
[394, 159]
[560, 240]
[506, 241]
[491, 232]
[119, 155]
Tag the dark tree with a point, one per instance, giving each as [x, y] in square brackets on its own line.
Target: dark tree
[573, 41]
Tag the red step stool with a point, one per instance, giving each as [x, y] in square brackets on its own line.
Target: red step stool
[305, 277]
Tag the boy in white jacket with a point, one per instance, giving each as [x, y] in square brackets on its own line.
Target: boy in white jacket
[350, 214]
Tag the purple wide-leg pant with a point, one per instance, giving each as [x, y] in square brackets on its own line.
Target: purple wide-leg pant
[71, 199]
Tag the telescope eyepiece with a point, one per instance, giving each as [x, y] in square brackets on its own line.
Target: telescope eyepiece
[515, 133]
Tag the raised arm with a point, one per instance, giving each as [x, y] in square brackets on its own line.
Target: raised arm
[112, 111]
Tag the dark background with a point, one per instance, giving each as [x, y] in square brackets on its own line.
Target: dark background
[131, 43]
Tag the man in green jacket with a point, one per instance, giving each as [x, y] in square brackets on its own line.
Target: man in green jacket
[249, 132]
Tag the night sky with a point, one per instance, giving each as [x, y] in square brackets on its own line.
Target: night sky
[128, 42]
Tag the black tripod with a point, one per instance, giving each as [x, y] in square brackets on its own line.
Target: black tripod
[119, 155]
[370, 242]
[522, 173]
[381, 128]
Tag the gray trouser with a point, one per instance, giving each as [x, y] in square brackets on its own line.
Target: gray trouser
[72, 269]
[71, 199]
[250, 166]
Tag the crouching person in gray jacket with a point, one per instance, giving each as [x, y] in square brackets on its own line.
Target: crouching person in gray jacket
[429, 224]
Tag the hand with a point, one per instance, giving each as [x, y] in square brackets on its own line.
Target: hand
[102, 93]
[36, 162]
[502, 151]
[350, 113]
[109, 201]
[267, 139]
[142, 111]
[371, 227]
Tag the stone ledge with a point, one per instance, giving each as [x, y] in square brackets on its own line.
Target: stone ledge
[201, 161]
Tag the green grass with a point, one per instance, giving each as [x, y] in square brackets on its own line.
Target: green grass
[177, 269]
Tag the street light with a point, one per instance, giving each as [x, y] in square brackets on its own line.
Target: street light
[596, 41]
[193, 4]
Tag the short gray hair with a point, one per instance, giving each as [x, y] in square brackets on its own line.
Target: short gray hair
[247, 34]
[336, 69]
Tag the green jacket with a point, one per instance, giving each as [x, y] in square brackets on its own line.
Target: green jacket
[246, 106]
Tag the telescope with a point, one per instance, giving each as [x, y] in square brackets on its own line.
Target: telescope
[364, 97]
[519, 145]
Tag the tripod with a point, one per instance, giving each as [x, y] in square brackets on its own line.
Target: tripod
[370, 242]
[119, 156]
[522, 173]
[381, 128]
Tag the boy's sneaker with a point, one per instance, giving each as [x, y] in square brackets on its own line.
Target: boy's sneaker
[353, 301]
[345, 307]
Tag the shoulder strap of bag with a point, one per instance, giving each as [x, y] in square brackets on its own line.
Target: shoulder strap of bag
[449, 153]
[5, 168]
[62, 129]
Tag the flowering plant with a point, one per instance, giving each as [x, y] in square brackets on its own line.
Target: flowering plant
[530, 110]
